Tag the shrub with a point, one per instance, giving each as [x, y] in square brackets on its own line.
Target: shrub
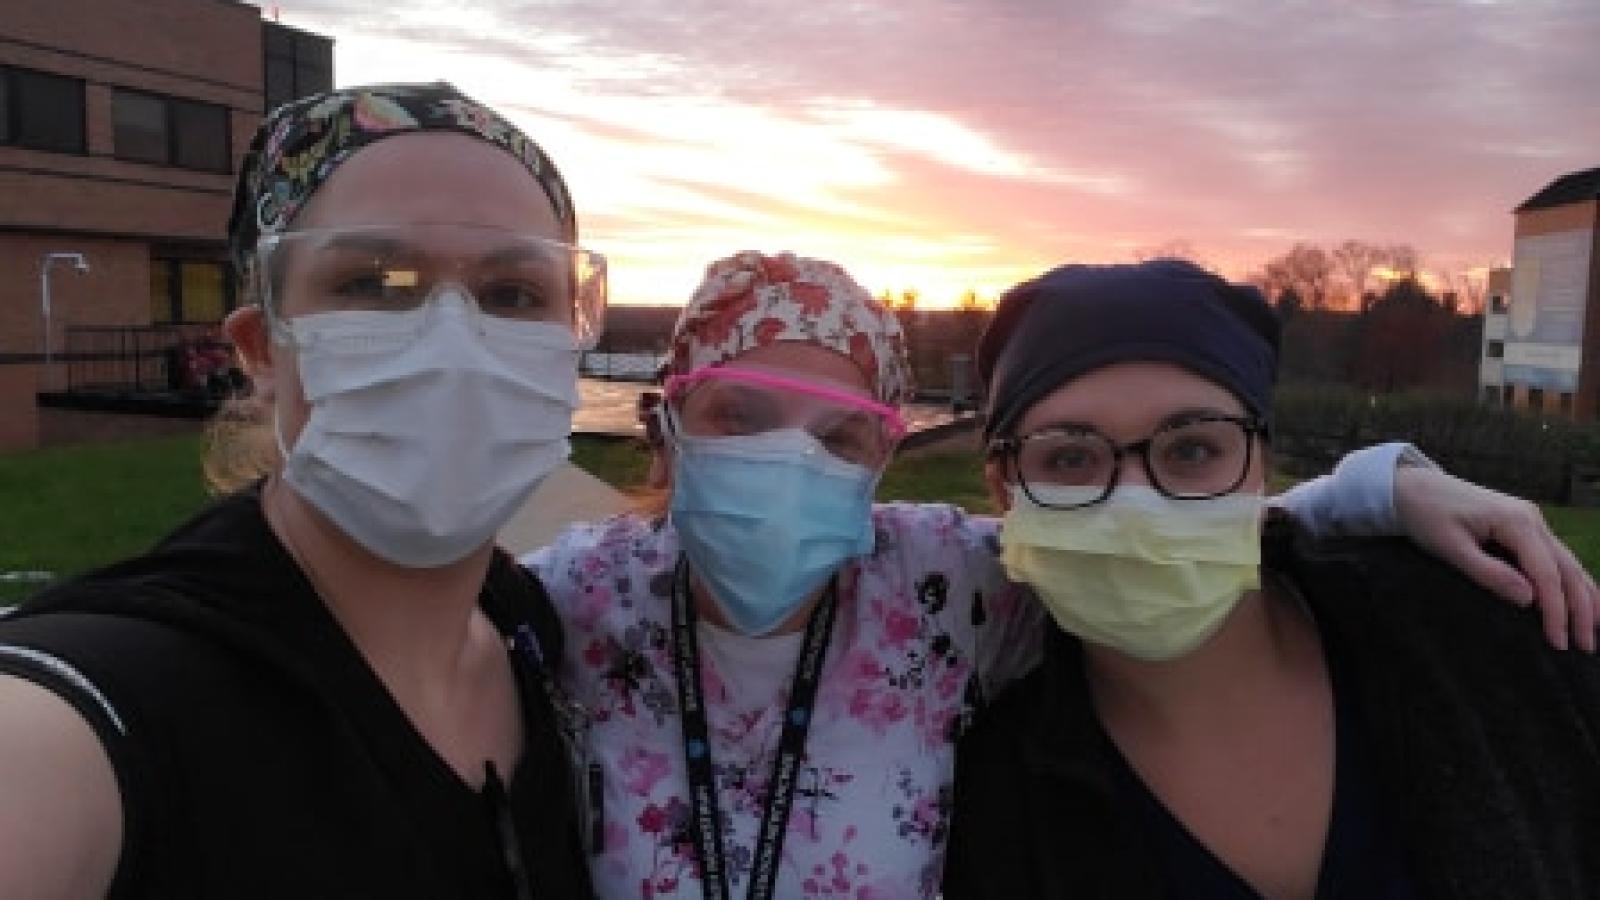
[1512, 451]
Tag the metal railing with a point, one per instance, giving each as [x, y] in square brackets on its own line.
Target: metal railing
[144, 359]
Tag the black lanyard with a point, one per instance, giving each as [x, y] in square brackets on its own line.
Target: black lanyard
[705, 819]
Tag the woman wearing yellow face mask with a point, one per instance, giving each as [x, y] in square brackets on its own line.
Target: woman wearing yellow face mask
[1227, 710]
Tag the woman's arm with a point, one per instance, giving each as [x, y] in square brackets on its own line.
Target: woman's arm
[61, 816]
[1391, 489]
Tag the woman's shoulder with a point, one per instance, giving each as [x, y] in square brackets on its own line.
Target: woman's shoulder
[593, 570]
[933, 531]
[61, 824]
[618, 539]
[1393, 604]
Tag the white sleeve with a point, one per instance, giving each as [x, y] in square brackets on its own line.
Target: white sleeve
[1356, 498]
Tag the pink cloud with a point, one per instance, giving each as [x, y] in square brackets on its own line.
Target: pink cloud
[1238, 127]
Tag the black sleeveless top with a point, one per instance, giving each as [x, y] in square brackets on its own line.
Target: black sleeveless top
[256, 753]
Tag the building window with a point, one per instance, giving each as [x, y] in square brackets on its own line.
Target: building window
[188, 292]
[295, 64]
[1496, 349]
[139, 126]
[1536, 399]
[1497, 304]
[40, 111]
[1491, 395]
[170, 131]
[200, 136]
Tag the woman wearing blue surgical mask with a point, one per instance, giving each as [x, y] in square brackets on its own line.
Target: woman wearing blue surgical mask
[771, 676]
[1227, 711]
[330, 683]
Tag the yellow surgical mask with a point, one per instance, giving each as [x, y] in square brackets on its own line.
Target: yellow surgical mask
[1143, 573]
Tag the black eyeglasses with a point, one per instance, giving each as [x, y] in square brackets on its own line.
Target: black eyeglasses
[1195, 458]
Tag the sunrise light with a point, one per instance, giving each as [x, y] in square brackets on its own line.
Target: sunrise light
[959, 155]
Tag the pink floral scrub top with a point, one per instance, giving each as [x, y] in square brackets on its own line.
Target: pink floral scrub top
[926, 625]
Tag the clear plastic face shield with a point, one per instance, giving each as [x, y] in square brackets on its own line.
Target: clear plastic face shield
[737, 401]
[508, 275]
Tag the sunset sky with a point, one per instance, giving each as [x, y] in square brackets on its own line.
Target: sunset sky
[972, 143]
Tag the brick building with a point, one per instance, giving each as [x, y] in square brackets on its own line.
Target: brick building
[121, 129]
[1549, 343]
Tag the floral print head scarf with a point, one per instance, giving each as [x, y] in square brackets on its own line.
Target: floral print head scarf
[300, 145]
[751, 300]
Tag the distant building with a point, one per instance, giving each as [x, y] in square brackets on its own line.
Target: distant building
[1550, 351]
[1496, 315]
[122, 125]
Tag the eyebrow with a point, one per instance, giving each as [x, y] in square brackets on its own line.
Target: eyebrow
[512, 253]
[386, 247]
[1178, 417]
[370, 244]
[1192, 413]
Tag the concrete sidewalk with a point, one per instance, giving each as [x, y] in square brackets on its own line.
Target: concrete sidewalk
[568, 495]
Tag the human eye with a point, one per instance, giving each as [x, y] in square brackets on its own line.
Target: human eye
[1198, 446]
[1068, 459]
[733, 416]
[371, 284]
[1071, 453]
[515, 298]
[851, 441]
[731, 419]
[1192, 450]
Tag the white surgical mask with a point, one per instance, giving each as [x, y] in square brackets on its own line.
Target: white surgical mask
[1144, 573]
[429, 428]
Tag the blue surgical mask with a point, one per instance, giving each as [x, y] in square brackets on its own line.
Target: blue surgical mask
[766, 519]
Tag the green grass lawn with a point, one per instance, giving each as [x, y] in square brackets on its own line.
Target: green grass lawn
[618, 462]
[954, 477]
[66, 510]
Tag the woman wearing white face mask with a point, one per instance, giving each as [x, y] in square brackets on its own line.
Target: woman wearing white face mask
[1226, 713]
[774, 674]
[330, 684]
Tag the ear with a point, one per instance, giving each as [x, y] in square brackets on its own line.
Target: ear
[994, 478]
[1261, 467]
[246, 328]
[660, 475]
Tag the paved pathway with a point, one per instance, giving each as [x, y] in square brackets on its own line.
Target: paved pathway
[568, 495]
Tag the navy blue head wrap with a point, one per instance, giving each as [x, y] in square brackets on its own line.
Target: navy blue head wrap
[1075, 319]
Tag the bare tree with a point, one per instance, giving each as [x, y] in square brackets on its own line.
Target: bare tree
[1305, 269]
[1468, 285]
[1401, 260]
[1355, 261]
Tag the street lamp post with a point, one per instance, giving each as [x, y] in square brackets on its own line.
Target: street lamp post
[81, 266]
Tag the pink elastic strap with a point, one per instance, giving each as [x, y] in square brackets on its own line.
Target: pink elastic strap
[891, 416]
